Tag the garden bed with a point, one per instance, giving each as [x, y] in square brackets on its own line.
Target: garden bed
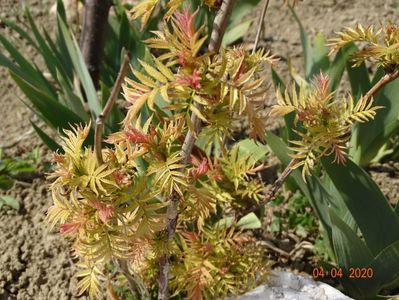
[36, 264]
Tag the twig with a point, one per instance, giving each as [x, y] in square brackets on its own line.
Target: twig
[107, 109]
[23, 183]
[274, 248]
[219, 28]
[280, 180]
[111, 292]
[275, 187]
[387, 78]
[260, 26]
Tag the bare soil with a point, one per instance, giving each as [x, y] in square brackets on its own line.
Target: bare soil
[36, 263]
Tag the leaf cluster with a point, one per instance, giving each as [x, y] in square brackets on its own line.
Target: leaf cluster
[117, 210]
[185, 79]
[324, 121]
[380, 47]
[106, 209]
[215, 262]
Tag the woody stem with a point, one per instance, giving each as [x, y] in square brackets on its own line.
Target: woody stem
[98, 134]
[387, 78]
[260, 26]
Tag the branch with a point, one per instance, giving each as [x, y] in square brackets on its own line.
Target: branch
[280, 180]
[220, 24]
[93, 35]
[107, 109]
[219, 28]
[260, 26]
[271, 194]
[387, 78]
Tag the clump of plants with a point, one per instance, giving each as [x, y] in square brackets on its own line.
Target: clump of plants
[166, 198]
[151, 197]
[351, 208]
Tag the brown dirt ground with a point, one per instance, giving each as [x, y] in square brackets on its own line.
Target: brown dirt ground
[35, 263]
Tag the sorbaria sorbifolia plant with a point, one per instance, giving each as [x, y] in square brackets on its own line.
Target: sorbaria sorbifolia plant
[326, 121]
[116, 206]
[380, 48]
[155, 201]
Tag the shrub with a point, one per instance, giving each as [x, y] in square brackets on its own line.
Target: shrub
[173, 214]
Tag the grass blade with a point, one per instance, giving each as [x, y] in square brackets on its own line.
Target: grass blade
[53, 145]
[81, 69]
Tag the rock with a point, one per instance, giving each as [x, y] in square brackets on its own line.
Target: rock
[284, 285]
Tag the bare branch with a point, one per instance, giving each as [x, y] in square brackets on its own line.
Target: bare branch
[219, 27]
[387, 78]
[260, 26]
[93, 35]
[280, 180]
[107, 109]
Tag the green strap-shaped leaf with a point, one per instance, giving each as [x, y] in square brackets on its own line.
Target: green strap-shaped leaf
[320, 60]
[236, 32]
[21, 32]
[372, 212]
[338, 203]
[237, 27]
[24, 68]
[53, 112]
[10, 201]
[370, 137]
[61, 10]
[224, 223]
[44, 49]
[352, 252]
[306, 46]
[53, 145]
[254, 150]
[351, 249]
[358, 76]
[318, 196]
[70, 100]
[6, 182]
[81, 69]
[386, 267]
[338, 65]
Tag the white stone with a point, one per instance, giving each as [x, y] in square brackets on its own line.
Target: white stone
[284, 285]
